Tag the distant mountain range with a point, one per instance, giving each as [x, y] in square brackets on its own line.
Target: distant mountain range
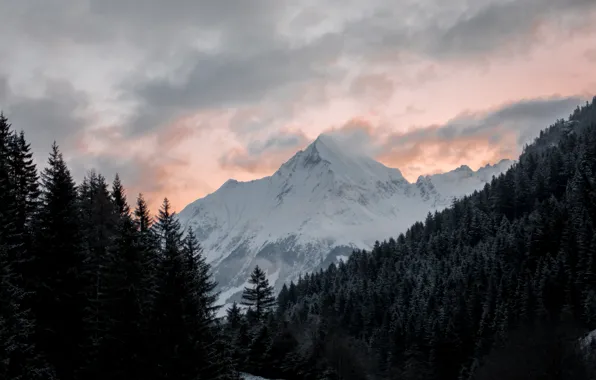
[314, 210]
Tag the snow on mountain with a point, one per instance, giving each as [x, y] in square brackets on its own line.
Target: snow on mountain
[464, 180]
[314, 210]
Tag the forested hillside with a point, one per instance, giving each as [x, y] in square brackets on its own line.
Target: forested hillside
[92, 290]
[499, 286]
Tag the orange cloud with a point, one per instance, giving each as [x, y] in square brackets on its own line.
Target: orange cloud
[434, 155]
[152, 164]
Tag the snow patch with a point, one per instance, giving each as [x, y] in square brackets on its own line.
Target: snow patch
[589, 341]
[247, 376]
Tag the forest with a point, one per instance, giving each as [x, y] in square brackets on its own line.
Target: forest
[501, 285]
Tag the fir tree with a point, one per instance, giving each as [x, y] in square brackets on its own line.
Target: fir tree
[260, 295]
[203, 286]
[234, 316]
[177, 313]
[58, 298]
[20, 358]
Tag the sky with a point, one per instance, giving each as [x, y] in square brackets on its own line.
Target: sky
[177, 96]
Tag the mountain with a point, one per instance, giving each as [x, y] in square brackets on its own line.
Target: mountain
[500, 285]
[315, 209]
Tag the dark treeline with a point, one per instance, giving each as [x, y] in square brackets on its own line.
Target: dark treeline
[90, 289]
[499, 286]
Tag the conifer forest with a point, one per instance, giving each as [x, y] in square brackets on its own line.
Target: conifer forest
[500, 285]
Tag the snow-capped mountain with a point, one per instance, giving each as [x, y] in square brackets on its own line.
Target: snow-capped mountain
[314, 210]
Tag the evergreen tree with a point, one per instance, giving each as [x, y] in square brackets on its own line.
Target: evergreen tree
[58, 298]
[124, 346]
[99, 221]
[147, 244]
[203, 286]
[234, 316]
[260, 297]
[19, 355]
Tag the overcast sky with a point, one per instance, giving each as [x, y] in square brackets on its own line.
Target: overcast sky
[180, 95]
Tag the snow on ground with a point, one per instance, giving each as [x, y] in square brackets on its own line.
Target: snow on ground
[589, 340]
[247, 376]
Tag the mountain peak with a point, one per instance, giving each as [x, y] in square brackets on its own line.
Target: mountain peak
[325, 148]
[322, 150]
[464, 168]
[328, 154]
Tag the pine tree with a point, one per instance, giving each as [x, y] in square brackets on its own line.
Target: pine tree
[234, 316]
[283, 299]
[58, 300]
[142, 217]
[119, 198]
[20, 358]
[175, 314]
[25, 193]
[199, 273]
[128, 332]
[260, 296]
[98, 220]
[147, 244]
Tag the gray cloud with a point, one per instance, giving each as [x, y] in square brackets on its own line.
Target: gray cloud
[524, 118]
[251, 60]
[257, 70]
[4, 89]
[264, 156]
[279, 142]
[474, 30]
[147, 23]
[54, 116]
[231, 79]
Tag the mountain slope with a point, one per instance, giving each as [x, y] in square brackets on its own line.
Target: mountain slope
[501, 285]
[314, 210]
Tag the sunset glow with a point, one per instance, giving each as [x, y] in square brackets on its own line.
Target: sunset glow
[208, 95]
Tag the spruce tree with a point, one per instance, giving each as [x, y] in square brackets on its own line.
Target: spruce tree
[58, 298]
[173, 321]
[148, 251]
[98, 221]
[203, 286]
[234, 316]
[127, 332]
[20, 358]
[147, 244]
[260, 296]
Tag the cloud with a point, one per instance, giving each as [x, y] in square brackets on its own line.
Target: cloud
[154, 164]
[590, 55]
[379, 87]
[225, 80]
[472, 138]
[55, 115]
[264, 157]
[134, 86]
[464, 30]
